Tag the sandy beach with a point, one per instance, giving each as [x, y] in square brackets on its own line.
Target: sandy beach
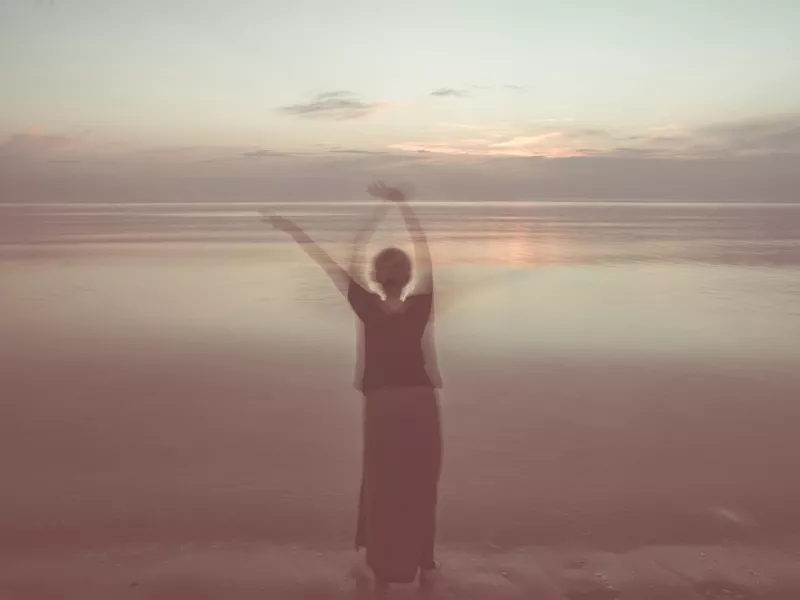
[247, 570]
[178, 421]
[240, 243]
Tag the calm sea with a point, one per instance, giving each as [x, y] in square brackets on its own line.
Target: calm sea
[614, 371]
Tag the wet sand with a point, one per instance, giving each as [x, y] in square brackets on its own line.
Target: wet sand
[141, 445]
[248, 570]
[181, 423]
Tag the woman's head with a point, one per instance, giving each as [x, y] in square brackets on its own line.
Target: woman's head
[391, 269]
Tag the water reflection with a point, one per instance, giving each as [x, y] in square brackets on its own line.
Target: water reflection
[563, 233]
[140, 366]
[591, 275]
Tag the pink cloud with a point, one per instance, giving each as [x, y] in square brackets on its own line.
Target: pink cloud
[33, 143]
[527, 141]
[538, 145]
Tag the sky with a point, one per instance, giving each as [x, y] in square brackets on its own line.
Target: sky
[209, 99]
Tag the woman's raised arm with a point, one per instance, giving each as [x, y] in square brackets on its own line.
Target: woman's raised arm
[422, 255]
[361, 239]
[338, 275]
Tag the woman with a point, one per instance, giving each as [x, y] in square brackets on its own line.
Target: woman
[402, 430]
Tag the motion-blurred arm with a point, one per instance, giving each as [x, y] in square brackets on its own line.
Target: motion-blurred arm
[360, 241]
[422, 255]
[337, 274]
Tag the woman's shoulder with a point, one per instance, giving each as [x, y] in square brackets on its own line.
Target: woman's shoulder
[357, 287]
[361, 299]
[420, 304]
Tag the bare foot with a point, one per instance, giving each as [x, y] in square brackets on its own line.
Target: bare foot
[428, 578]
[381, 588]
[364, 578]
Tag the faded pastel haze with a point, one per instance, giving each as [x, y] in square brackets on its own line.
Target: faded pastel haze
[610, 193]
[678, 100]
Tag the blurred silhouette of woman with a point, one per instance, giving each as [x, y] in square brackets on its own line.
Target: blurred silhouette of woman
[402, 430]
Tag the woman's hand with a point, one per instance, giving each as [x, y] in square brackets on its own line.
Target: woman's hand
[385, 192]
[339, 276]
[278, 222]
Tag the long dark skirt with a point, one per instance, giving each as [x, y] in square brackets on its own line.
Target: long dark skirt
[401, 465]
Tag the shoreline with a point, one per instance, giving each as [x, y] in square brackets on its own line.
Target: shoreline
[243, 571]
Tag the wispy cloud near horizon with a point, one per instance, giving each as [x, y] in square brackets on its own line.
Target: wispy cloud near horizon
[335, 106]
[754, 159]
[450, 92]
[553, 138]
[760, 135]
[262, 153]
[34, 143]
